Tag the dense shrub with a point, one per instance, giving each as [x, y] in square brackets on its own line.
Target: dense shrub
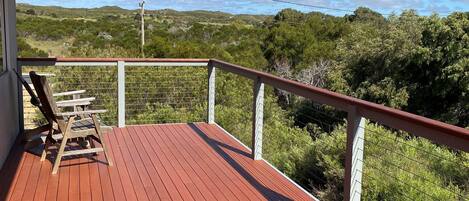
[396, 167]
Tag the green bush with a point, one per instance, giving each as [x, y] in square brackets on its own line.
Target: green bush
[397, 167]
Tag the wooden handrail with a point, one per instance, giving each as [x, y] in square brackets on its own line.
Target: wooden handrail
[439, 132]
[59, 59]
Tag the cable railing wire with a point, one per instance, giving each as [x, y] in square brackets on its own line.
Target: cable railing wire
[379, 179]
[159, 89]
[64, 78]
[182, 84]
[401, 141]
[387, 162]
[318, 110]
[397, 179]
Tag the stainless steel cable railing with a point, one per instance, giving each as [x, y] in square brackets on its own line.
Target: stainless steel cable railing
[378, 143]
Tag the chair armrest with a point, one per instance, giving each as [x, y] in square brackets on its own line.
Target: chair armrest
[69, 93]
[75, 102]
[65, 114]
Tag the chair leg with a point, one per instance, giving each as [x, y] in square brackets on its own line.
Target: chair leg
[58, 159]
[44, 152]
[97, 128]
[91, 144]
[47, 143]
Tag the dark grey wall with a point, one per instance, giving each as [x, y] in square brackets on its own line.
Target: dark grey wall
[9, 115]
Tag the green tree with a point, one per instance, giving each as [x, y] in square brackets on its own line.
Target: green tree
[366, 15]
[413, 60]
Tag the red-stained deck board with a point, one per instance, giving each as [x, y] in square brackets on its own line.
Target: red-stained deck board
[260, 167]
[140, 164]
[52, 185]
[64, 181]
[120, 165]
[74, 180]
[21, 182]
[242, 191]
[33, 178]
[248, 166]
[202, 171]
[139, 182]
[85, 191]
[151, 162]
[12, 168]
[161, 191]
[95, 183]
[190, 179]
[166, 176]
[41, 189]
[176, 172]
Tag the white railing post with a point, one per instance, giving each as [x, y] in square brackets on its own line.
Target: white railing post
[211, 94]
[121, 93]
[76, 96]
[257, 119]
[354, 156]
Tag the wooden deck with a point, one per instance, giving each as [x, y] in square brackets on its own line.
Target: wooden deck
[152, 162]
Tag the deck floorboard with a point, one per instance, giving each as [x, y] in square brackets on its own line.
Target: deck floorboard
[151, 162]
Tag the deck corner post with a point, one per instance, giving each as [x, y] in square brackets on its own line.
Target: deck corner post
[211, 94]
[121, 94]
[19, 70]
[354, 155]
[257, 119]
[9, 54]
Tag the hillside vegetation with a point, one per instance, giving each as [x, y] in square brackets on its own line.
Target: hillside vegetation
[415, 63]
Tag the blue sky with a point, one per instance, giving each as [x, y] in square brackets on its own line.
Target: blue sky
[424, 7]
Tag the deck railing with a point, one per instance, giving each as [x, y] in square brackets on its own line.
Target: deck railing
[145, 83]
[358, 111]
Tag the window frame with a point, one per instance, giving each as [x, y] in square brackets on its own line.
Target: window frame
[3, 68]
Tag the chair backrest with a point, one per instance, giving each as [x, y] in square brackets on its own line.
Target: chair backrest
[34, 99]
[45, 94]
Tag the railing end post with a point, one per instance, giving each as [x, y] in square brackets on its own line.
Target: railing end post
[257, 119]
[354, 152]
[211, 94]
[121, 94]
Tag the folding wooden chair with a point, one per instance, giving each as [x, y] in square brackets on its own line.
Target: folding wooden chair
[32, 137]
[72, 125]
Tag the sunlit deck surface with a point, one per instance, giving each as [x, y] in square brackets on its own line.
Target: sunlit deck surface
[152, 162]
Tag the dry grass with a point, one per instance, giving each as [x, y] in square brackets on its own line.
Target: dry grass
[56, 48]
